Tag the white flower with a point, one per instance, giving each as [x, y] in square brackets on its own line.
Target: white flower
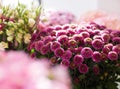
[21, 21]
[31, 22]
[10, 38]
[3, 45]
[27, 38]
[19, 37]
[10, 32]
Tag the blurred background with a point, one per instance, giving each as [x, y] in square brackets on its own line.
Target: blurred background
[77, 7]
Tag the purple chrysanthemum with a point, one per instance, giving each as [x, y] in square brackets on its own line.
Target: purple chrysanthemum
[63, 39]
[106, 38]
[72, 43]
[112, 55]
[54, 45]
[85, 34]
[38, 45]
[109, 45]
[97, 57]
[65, 63]
[97, 44]
[116, 40]
[78, 59]
[61, 32]
[67, 55]
[47, 39]
[106, 50]
[44, 49]
[86, 52]
[88, 41]
[116, 48]
[83, 68]
[59, 52]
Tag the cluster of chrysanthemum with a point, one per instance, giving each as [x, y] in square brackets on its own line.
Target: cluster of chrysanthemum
[16, 25]
[18, 71]
[51, 18]
[74, 45]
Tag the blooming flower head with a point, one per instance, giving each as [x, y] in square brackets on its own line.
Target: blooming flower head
[105, 38]
[116, 48]
[38, 45]
[65, 63]
[44, 49]
[59, 52]
[116, 40]
[67, 55]
[86, 52]
[112, 55]
[78, 59]
[54, 45]
[63, 39]
[97, 44]
[72, 43]
[96, 57]
[83, 68]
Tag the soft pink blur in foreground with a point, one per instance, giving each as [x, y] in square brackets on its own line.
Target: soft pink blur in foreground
[18, 71]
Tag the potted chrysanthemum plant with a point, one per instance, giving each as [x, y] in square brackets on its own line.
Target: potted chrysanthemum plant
[90, 52]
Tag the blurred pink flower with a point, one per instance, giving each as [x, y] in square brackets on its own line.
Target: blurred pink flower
[102, 18]
[18, 71]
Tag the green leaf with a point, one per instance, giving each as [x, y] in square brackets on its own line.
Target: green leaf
[111, 85]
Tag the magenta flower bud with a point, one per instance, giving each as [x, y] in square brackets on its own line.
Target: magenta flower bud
[87, 52]
[38, 45]
[67, 55]
[63, 39]
[97, 57]
[112, 55]
[78, 59]
[116, 48]
[116, 40]
[88, 41]
[83, 68]
[97, 44]
[61, 32]
[32, 45]
[65, 63]
[72, 43]
[106, 38]
[59, 52]
[85, 34]
[96, 70]
[54, 45]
